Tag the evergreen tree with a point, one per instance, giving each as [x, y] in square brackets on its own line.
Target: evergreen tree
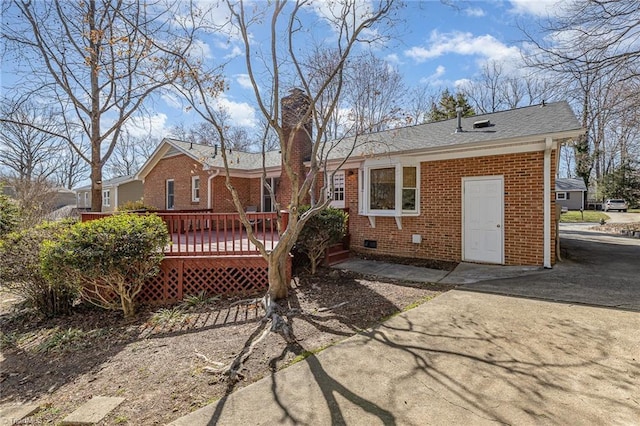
[446, 107]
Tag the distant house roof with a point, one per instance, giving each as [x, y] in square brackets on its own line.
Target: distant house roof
[565, 184]
[109, 183]
[516, 126]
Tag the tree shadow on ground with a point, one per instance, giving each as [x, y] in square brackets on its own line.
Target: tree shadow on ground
[469, 363]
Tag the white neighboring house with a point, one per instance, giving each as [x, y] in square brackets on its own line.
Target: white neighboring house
[115, 192]
[570, 193]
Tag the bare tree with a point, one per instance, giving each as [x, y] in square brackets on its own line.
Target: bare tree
[98, 61]
[496, 89]
[72, 168]
[129, 155]
[596, 35]
[205, 133]
[282, 62]
[26, 153]
[591, 47]
[373, 93]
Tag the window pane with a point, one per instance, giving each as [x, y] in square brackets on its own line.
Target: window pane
[382, 189]
[408, 199]
[409, 177]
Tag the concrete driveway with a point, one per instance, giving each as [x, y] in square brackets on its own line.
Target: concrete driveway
[597, 269]
[474, 357]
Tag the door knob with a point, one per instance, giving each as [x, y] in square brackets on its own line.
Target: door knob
[498, 226]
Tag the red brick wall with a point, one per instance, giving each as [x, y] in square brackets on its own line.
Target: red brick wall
[181, 168]
[440, 220]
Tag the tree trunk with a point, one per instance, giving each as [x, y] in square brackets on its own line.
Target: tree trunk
[278, 284]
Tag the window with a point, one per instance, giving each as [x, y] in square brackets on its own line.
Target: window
[86, 199]
[170, 194]
[195, 188]
[382, 189]
[268, 205]
[409, 188]
[106, 198]
[391, 190]
[337, 195]
[562, 196]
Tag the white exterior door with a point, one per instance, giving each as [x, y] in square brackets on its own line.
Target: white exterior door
[482, 233]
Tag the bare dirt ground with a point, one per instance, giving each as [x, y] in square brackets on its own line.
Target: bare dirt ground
[151, 361]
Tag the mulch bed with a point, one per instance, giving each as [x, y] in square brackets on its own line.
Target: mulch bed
[152, 361]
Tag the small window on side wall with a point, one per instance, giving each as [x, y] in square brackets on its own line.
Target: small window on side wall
[195, 189]
[561, 196]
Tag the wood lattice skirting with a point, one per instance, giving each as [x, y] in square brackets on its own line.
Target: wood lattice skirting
[184, 276]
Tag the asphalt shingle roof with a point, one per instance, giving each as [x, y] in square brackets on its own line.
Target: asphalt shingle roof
[510, 125]
[566, 184]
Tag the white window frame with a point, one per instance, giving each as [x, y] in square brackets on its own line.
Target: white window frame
[195, 189]
[263, 191]
[337, 191]
[561, 196]
[106, 197]
[166, 195]
[86, 199]
[364, 189]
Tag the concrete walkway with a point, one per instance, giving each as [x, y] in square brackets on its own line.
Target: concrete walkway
[462, 358]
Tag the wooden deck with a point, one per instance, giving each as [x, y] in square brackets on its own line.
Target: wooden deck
[211, 254]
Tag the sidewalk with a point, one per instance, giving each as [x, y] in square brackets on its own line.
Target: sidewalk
[465, 273]
[461, 358]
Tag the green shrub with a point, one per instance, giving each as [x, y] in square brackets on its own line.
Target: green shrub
[321, 231]
[9, 214]
[134, 206]
[112, 257]
[21, 272]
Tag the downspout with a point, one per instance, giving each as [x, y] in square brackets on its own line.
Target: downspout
[548, 143]
[209, 189]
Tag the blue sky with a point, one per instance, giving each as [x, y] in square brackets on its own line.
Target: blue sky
[435, 44]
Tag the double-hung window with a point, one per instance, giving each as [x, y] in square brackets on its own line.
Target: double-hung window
[336, 191]
[268, 204]
[195, 189]
[106, 198]
[171, 204]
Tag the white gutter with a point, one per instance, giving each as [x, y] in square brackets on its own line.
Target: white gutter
[548, 143]
[209, 201]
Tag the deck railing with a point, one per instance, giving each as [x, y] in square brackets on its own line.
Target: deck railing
[201, 233]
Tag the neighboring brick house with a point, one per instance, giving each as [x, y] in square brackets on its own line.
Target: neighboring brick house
[477, 190]
[570, 193]
[115, 192]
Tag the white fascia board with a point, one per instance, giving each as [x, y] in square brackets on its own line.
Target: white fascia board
[485, 150]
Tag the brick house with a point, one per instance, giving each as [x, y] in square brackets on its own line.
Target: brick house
[476, 189]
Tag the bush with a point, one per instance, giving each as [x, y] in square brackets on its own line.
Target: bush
[134, 206]
[21, 273]
[321, 231]
[9, 214]
[112, 257]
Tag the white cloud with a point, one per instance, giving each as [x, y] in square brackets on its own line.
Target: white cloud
[244, 81]
[235, 52]
[534, 7]
[240, 113]
[393, 59]
[435, 78]
[476, 12]
[172, 100]
[201, 50]
[462, 43]
[142, 126]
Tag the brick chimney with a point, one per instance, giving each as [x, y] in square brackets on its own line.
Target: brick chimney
[297, 142]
